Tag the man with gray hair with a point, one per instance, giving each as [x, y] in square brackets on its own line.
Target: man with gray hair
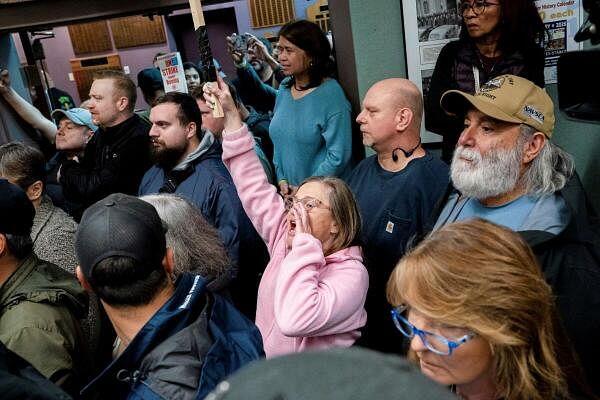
[506, 170]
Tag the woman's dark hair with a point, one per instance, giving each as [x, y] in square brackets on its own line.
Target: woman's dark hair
[521, 26]
[310, 38]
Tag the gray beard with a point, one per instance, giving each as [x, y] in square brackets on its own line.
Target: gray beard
[491, 175]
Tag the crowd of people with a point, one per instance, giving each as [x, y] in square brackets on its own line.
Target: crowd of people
[158, 251]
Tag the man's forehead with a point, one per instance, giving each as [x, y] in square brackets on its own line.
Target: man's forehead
[202, 105]
[164, 111]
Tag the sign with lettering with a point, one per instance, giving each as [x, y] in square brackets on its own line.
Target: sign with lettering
[171, 70]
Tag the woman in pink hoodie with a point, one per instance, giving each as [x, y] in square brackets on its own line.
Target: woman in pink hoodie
[312, 293]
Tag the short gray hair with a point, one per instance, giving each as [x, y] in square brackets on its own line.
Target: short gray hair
[197, 247]
[550, 170]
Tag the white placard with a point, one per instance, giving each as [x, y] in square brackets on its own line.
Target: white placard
[171, 70]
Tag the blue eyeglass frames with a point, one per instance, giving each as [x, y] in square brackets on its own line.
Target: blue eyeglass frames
[434, 342]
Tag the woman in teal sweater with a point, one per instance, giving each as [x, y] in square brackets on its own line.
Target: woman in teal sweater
[311, 126]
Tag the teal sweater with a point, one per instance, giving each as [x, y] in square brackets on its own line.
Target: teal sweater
[312, 136]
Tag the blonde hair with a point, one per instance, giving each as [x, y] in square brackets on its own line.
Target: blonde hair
[344, 211]
[485, 278]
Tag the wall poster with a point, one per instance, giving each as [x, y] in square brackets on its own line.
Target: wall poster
[430, 24]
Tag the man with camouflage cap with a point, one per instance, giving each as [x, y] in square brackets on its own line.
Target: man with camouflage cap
[506, 170]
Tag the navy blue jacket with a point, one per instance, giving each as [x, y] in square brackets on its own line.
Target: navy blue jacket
[394, 207]
[191, 344]
[210, 188]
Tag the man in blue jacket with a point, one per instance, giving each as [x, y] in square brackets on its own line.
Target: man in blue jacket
[175, 340]
[188, 163]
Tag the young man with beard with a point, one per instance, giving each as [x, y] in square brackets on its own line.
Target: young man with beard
[506, 170]
[188, 163]
[116, 158]
[396, 190]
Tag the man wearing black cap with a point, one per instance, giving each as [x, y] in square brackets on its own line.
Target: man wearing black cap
[40, 304]
[151, 84]
[174, 339]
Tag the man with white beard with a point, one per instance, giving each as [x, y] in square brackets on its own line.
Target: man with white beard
[506, 170]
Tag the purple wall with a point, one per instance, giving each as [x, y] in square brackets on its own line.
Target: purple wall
[59, 50]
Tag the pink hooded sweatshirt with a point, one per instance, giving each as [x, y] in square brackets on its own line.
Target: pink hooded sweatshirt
[305, 300]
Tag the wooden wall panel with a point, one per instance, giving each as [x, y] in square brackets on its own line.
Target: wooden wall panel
[92, 37]
[267, 13]
[137, 31]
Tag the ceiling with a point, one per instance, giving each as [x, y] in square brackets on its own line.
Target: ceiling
[30, 15]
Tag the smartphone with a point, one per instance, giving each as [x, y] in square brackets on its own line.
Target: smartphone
[240, 43]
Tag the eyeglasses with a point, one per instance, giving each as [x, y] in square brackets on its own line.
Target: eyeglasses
[434, 342]
[307, 202]
[478, 7]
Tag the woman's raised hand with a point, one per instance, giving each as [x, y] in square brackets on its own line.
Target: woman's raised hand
[220, 91]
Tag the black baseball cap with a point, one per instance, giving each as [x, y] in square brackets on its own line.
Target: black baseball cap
[16, 210]
[150, 79]
[120, 225]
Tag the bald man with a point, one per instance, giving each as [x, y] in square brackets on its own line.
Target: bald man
[396, 189]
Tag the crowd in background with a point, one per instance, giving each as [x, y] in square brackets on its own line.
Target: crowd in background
[158, 251]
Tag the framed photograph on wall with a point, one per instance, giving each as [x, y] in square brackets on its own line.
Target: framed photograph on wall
[430, 24]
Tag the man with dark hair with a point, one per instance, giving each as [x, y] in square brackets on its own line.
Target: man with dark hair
[188, 162]
[507, 170]
[40, 304]
[115, 159]
[174, 338]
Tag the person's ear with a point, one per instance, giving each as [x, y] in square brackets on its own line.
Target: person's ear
[88, 135]
[168, 262]
[190, 130]
[3, 244]
[403, 118]
[122, 103]
[533, 147]
[35, 190]
[82, 281]
[334, 229]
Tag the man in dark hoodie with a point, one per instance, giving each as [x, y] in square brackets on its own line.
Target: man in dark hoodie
[40, 304]
[188, 163]
[175, 340]
[506, 170]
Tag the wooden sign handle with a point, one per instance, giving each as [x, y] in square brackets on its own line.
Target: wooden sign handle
[205, 52]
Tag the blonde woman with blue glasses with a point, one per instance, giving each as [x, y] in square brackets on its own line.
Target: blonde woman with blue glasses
[480, 317]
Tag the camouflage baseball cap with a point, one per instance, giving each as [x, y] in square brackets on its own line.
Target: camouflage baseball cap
[507, 98]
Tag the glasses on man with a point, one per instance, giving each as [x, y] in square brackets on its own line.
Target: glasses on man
[478, 7]
[307, 202]
[434, 342]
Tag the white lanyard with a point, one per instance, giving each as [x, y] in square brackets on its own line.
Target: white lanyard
[476, 77]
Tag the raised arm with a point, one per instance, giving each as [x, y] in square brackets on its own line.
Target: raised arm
[260, 200]
[26, 110]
